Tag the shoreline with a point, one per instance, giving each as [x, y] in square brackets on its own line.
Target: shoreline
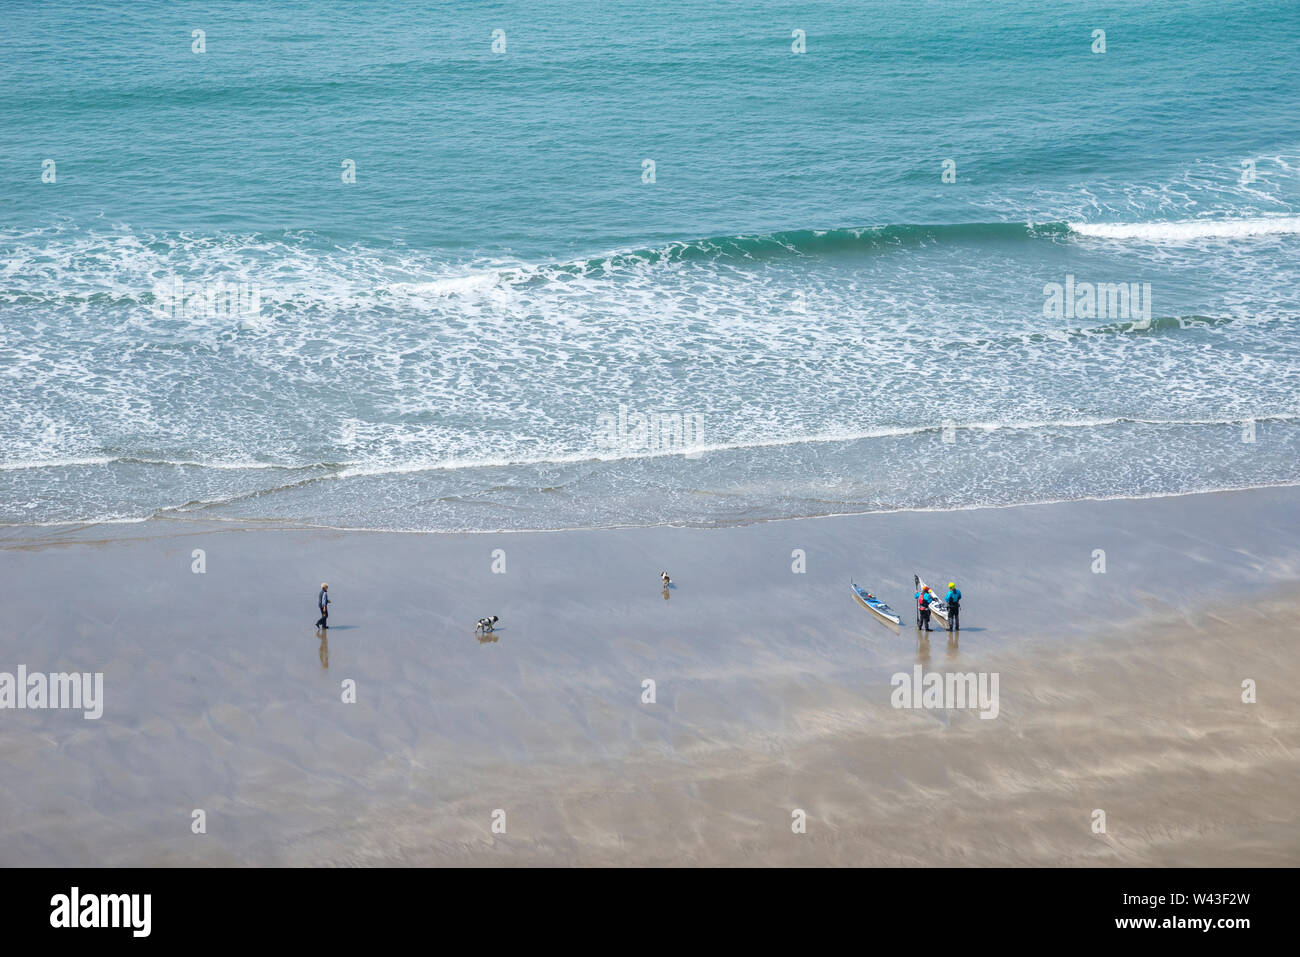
[174, 514]
[1119, 690]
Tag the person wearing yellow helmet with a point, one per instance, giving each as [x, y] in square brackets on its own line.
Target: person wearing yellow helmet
[953, 598]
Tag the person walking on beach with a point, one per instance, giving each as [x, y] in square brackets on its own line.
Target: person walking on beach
[923, 599]
[323, 603]
[953, 598]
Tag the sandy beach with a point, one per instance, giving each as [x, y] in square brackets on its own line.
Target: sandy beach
[1119, 691]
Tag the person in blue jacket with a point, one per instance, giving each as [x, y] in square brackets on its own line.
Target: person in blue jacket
[923, 599]
[953, 598]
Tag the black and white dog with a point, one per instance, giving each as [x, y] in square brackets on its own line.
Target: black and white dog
[485, 625]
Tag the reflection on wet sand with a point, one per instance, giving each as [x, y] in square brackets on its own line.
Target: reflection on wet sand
[792, 696]
[323, 635]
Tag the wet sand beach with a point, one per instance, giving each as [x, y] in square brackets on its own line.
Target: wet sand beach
[1119, 691]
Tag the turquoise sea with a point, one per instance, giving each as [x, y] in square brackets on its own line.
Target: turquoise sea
[637, 263]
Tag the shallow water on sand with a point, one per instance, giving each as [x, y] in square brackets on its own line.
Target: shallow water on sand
[772, 691]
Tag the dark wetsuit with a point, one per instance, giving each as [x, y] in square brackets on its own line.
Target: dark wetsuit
[953, 598]
[923, 606]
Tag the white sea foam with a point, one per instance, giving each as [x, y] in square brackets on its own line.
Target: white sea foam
[1190, 230]
[44, 463]
[395, 362]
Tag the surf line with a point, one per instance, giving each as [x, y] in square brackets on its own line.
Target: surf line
[74, 690]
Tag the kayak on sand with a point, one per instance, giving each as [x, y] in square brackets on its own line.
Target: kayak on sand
[875, 604]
